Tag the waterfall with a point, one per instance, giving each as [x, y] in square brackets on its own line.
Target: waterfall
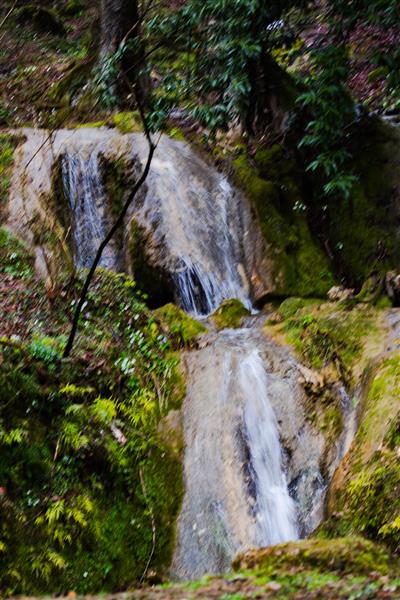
[248, 436]
[275, 511]
[236, 494]
[202, 228]
[88, 202]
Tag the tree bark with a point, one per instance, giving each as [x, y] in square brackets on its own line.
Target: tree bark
[273, 98]
[121, 23]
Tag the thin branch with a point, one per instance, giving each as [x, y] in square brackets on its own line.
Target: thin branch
[7, 16]
[118, 223]
[153, 525]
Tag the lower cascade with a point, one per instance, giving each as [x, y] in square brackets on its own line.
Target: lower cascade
[236, 491]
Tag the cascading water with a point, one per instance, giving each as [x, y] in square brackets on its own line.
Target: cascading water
[202, 229]
[245, 417]
[274, 509]
[236, 494]
[84, 189]
[199, 229]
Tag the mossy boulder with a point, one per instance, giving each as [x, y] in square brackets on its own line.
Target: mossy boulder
[365, 493]
[344, 555]
[179, 324]
[299, 264]
[43, 19]
[128, 122]
[230, 314]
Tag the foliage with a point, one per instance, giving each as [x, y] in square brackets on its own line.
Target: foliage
[84, 477]
[7, 145]
[14, 257]
[326, 334]
[219, 42]
[328, 102]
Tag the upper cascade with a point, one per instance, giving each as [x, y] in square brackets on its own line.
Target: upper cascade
[199, 229]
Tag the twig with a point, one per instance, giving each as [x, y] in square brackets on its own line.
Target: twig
[7, 16]
[109, 236]
[153, 525]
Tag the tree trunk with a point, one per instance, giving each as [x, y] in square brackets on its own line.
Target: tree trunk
[121, 23]
[273, 98]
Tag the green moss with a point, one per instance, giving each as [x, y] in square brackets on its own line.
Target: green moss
[230, 314]
[91, 125]
[15, 258]
[362, 232]
[128, 122]
[324, 333]
[290, 306]
[7, 146]
[176, 322]
[177, 134]
[342, 555]
[363, 239]
[300, 267]
[368, 499]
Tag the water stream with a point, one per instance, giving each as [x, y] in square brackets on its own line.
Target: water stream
[236, 493]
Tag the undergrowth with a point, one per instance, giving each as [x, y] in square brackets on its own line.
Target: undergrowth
[88, 492]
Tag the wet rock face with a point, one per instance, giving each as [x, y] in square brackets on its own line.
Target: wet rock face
[225, 499]
[309, 458]
[197, 230]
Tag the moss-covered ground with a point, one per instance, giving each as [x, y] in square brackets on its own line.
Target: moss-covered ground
[365, 494]
[336, 337]
[346, 568]
[272, 183]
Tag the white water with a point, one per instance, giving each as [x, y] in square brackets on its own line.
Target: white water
[275, 511]
[236, 495]
[84, 189]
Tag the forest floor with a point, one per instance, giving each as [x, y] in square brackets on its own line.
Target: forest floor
[350, 568]
[302, 585]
